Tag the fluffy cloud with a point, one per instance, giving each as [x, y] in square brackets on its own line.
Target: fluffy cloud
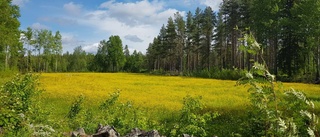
[132, 13]
[68, 38]
[91, 48]
[38, 26]
[133, 38]
[136, 22]
[73, 9]
[20, 3]
[70, 41]
[214, 4]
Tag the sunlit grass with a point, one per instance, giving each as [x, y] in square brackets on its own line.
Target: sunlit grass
[151, 92]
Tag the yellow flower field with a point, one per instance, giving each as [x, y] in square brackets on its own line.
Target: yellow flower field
[153, 92]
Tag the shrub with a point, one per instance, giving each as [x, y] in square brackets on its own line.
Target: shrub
[18, 103]
[274, 113]
[224, 74]
[123, 116]
[76, 107]
[192, 119]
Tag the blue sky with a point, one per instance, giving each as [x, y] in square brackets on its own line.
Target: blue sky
[86, 22]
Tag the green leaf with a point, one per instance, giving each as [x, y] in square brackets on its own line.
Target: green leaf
[243, 48]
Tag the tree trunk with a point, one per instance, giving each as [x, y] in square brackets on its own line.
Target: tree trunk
[56, 66]
[7, 57]
[318, 59]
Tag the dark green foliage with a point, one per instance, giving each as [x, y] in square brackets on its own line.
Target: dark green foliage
[78, 61]
[224, 74]
[288, 29]
[100, 59]
[135, 62]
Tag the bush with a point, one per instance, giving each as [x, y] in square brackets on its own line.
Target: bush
[224, 74]
[18, 103]
[193, 119]
[123, 116]
[274, 113]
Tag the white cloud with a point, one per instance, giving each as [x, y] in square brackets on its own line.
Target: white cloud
[142, 19]
[133, 38]
[73, 9]
[20, 3]
[91, 48]
[214, 4]
[38, 26]
[70, 41]
[68, 38]
[132, 13]
[138, 9]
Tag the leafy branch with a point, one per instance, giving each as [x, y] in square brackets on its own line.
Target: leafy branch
[270, 119]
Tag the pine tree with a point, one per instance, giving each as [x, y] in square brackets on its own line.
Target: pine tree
[207, 24]
[170, 45]
[189, 40]
[180, 29]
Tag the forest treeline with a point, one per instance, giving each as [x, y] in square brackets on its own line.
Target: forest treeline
[201, 42]
[288, 31]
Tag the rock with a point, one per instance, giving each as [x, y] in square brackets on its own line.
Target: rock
[153, 133]
[80, 132]
[109, 131]
[135, 133]
[106, 131]
[187, 135]
[140, 133]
